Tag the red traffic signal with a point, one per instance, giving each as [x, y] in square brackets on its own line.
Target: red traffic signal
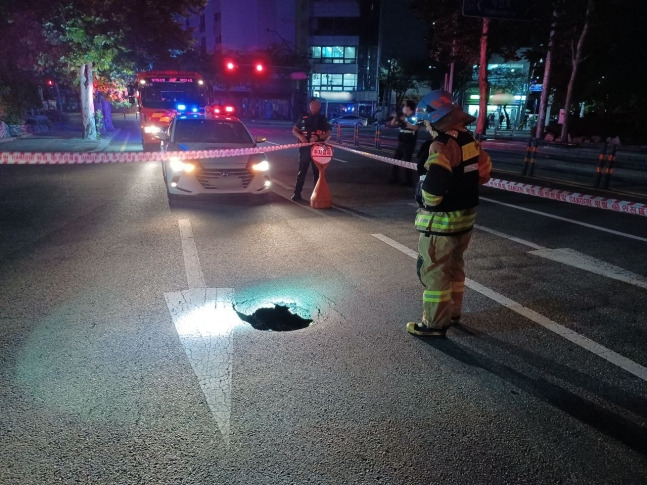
[50, 82]
[230, 66]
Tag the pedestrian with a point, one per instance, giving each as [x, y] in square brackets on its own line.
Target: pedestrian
[449, 194]
[313, 127]
[407, 137]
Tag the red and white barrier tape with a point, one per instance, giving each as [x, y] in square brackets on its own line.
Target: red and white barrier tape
[571, 197]
[37, 158]
[68, 158]
[554, 194]
[392, 161]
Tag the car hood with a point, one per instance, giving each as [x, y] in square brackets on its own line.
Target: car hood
[229, 161]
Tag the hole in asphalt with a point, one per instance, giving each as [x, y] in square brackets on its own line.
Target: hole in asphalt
[278, 319]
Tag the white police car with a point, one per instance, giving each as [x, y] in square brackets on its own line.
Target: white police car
[228, 174]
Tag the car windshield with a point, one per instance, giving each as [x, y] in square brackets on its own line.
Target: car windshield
[210, 131]
[168, 96]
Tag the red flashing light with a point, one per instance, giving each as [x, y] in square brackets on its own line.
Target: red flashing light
[230, 65]
[259, 68]
[50, 82]
[221, 110]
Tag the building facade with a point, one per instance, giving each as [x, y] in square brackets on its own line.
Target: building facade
[340, 39]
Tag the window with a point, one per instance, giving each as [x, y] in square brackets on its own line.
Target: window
[334, 82]
[334, 54]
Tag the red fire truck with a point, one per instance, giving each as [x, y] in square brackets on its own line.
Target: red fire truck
[161, 95]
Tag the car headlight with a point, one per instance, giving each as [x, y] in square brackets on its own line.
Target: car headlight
[178, 165]
[152, 129]
[262, 166]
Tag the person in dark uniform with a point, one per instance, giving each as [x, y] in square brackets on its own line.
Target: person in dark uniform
[309, 128]
[407, 138]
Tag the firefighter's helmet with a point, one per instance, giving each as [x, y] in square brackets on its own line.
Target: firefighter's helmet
[437, 105]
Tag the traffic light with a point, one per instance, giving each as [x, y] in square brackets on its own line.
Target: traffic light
[230, 66]
[50, 82]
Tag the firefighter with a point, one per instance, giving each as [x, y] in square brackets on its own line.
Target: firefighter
[448, 194]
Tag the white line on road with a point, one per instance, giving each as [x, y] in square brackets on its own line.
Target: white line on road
[591, 226]
[587, 263]
[125, 143]
[584, 342]
[204, 320]
[194, 276]
[506, 236]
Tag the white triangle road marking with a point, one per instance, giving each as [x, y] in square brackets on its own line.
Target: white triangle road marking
[204, 319]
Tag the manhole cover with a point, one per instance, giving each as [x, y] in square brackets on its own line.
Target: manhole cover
[278, 318]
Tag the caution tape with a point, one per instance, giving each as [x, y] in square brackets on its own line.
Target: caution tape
[571, 197]
[392, 161]
[71, 158]
[67, 158]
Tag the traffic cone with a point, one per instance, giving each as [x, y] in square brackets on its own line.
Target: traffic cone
[321, 197]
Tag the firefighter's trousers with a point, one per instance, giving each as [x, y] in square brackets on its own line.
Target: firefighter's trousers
[441, 271]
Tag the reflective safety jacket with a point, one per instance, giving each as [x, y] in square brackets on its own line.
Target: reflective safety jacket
[455, 167]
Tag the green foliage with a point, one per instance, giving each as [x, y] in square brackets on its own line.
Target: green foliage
[17, 95]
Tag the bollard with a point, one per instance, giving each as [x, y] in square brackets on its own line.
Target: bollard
[598, 170]
[356, 135]
[609, 171]
[526, 159]
[377, 135]
[533, 152]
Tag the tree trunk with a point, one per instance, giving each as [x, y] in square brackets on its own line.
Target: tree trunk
[541, 120]
[576, 59]
[483, 83]
[87, 102]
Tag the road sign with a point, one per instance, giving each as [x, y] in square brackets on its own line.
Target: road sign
[536, 88]
[498, 9]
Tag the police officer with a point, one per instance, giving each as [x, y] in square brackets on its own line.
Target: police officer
[309, 128]
[448, 194]
[407, 137]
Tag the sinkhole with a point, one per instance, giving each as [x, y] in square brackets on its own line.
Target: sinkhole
[277, 318]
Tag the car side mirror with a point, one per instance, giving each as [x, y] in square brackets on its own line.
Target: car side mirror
[162, 136]
[260, 139]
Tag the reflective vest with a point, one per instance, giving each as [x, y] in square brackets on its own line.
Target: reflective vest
[450, 190]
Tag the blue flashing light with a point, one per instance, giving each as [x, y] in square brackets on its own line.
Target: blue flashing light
[194, 109]
[181, 107]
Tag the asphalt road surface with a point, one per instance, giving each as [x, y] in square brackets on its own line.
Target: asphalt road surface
[123, 360]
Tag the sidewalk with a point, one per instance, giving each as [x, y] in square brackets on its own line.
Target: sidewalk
[66, 136]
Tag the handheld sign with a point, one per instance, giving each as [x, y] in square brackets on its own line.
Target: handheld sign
[321, 153]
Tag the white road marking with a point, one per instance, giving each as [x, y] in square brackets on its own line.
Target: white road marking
[125, 143]
[584, 342]
[591, 226]
[506, 236]
[204, 320]
[194, 276]
[588, 263]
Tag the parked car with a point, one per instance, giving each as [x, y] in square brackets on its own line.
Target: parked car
[225, 175]
[349, 120]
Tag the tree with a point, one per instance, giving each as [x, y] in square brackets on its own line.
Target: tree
[579, 35]
[471, 40]
[79, 38]
[87, 42]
